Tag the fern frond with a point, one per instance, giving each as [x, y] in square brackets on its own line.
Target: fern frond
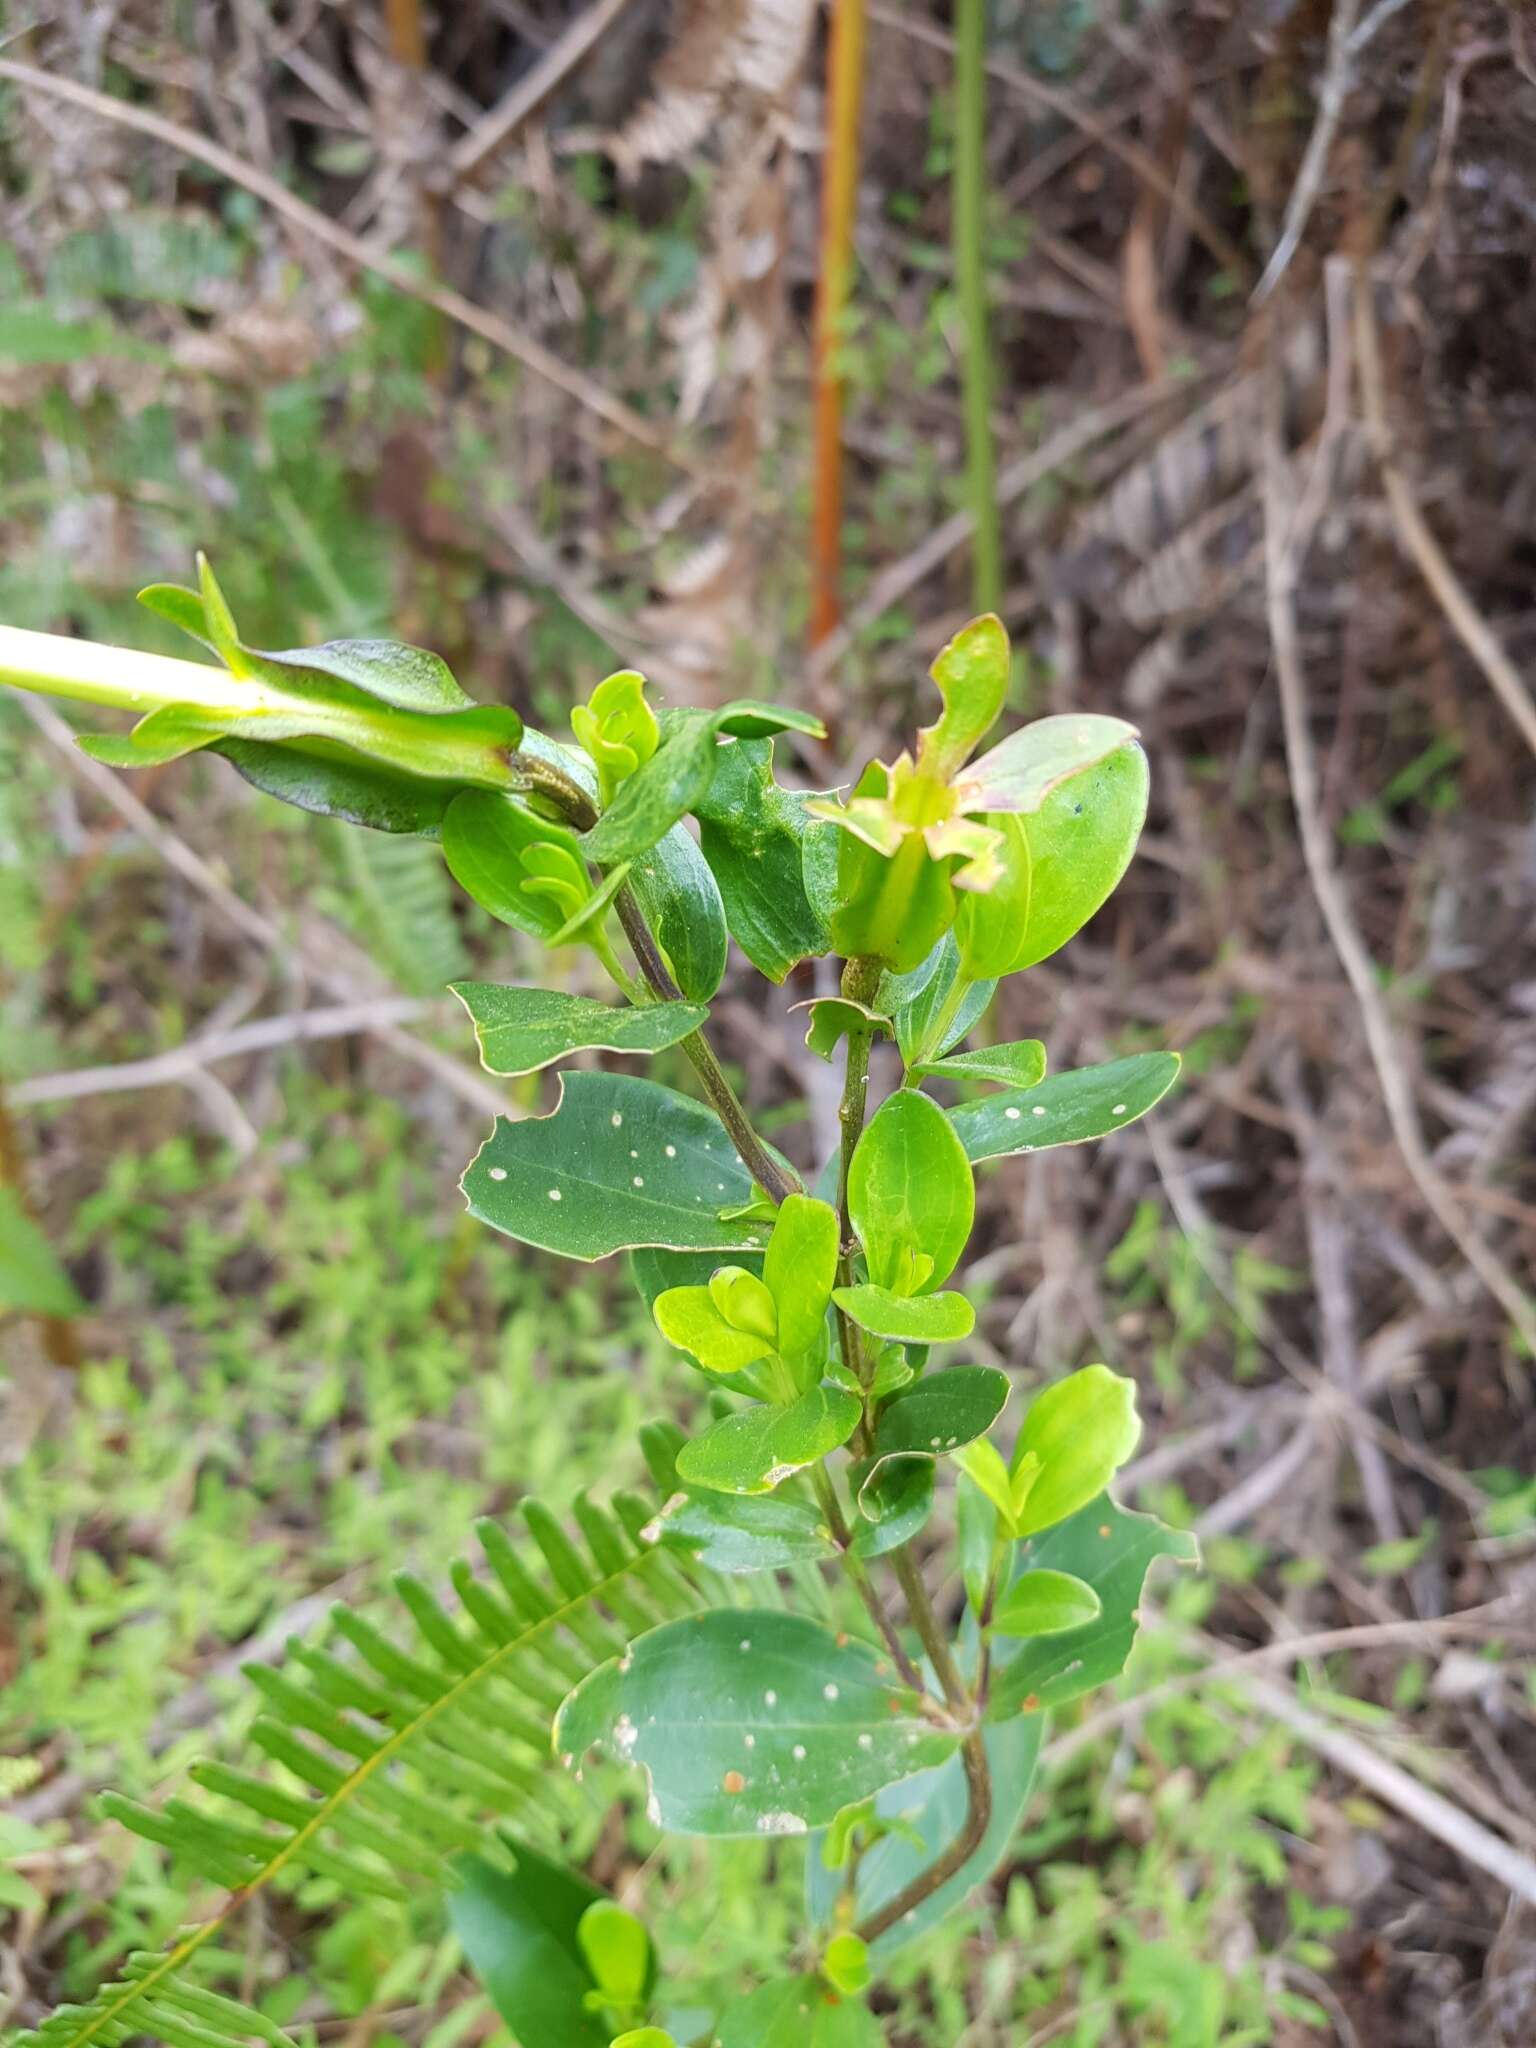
[385, 1757]
[399, 894]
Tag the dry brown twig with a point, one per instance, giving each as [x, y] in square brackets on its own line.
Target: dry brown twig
[1413, 530]
[533, 355]
[1285, 546]
[500, 123]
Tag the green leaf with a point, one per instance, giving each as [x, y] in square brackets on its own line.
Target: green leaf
[941, 1412]
[1082, 1430]
[656, 796]
[1067, 1109]
[620, 1162]
[617, 1951]
[1045, 1603]
[654, 1271]
[1019, 1065]
[617, 728]
[749, 718]
[923, 1319]
[751, 1722]
[1059, 866]
[31, 1277]
[643, 2037]
[845, 1964]
[972, 676]
[690, 1318]
[680, 902]
[752, 833]
[1111, 1551]
[921, 1032]
[754, 1451]
[334, 782]
[742, 1532]
[799, 1270]
[833, 1017]
[523, 869]
[977, 1518]
[910, 1192]
[801, 2012]
[934, 1806]
[520, 1030]
[520, 1930]
[983, 1464]
[895, 1497]
[1022, 770]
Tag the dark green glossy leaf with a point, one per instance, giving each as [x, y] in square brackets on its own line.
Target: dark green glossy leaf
[494, 847]
[910, 1193]
[935, 1805]
[1067, 1109]
[895, 1497]
[753, 1452]
[1112, 1551]
[917, 1319]
[801, 2012]
[656, 796]
[752, 833]
[334, 782]
[621, 1162]
[940, 1412]
[741, 1532]
[1019, 1065]
[680, 902]
[520, 1030]
[1045, 1603]
[519, 1930]
[751, 1722]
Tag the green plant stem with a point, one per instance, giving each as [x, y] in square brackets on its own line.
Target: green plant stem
[861, 979]
[930, 1630]
[969, 234]
[978, 1818]
[837, 1522]
[546, 779]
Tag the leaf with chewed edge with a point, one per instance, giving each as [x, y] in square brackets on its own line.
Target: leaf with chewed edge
[520, 1030]
[750, 1722]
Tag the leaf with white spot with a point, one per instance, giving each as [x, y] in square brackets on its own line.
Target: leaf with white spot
[621, 1162]
[1067, 1109]
[754, 1451]
[520, 1030]
[751, 1723]
[940, 1413]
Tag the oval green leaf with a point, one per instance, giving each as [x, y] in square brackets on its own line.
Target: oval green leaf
[1081, 1430]
[910, 1191]
[621, 1162]
[1019, 1065]
[1045, 1603]
[802, 2012]
[920, 1319]
[754, 1451]
[751, 1723]
[1067, 1109]
[1021, 771]
[941, 1412]
[752, 833]
[519, 1929]
[741, 1532]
